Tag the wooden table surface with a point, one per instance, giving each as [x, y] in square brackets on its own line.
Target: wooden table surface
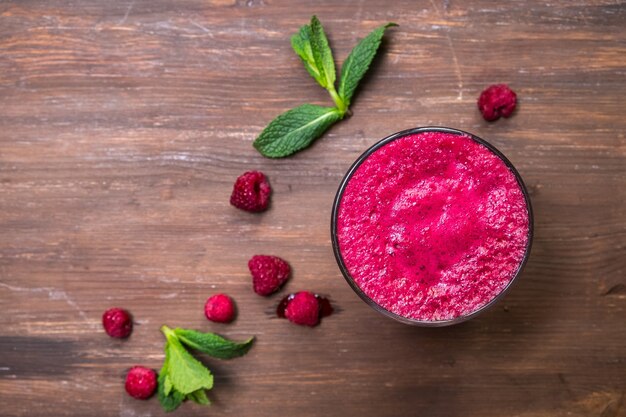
[123, 125]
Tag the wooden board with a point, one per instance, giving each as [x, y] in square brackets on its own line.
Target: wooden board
[123, 125]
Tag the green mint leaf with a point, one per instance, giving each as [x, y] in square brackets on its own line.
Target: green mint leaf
[185, 372]
[199, 397]
[167, 385]
[169, 398]
[301, 44]
[322, 54]
[172, 401]
[295, 130]
[213, 344]
[358, 62]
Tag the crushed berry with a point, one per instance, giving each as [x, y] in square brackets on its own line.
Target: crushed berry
[251, 192]
[303, 308]
[140, 382]
[117, 323]
[269, 273]
[220, 308]
[497, 101]
[300, 308]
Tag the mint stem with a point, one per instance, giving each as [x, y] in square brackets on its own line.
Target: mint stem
[169, 333]
[341, 105]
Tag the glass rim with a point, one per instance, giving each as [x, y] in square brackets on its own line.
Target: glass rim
[339, 196]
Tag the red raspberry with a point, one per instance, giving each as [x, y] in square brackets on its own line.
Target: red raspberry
[497, 101]
[269, 273]
[303, 309]
[141, 382]
[220, 308]
[251, 192]
[117, 322]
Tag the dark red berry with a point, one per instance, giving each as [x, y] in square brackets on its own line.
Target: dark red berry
[220, 308]
[251, 192]
[303, 309]
[141, 382]
[497, 101]
[269, 273]
[117, 322]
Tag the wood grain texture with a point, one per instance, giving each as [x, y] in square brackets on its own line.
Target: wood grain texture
[123, 125]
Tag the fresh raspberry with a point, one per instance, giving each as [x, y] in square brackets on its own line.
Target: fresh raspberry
[251, 192]
[141, 382]
[117, 322]
[220, 308]
[497, 101]
[303, 309]
[269, 273]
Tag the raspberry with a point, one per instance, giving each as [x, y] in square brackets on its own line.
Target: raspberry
[269, 273]
[251, 192]
[117, 322]
[497, 101]
[220, 308]
[140, 382]
[303, 309]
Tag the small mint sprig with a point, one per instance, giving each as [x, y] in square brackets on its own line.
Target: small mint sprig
[297, 128]
[183, 377]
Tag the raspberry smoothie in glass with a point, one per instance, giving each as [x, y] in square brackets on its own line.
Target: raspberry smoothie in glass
[431, 225]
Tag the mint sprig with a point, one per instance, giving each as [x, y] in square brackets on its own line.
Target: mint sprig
[183, 377]
[299, 127]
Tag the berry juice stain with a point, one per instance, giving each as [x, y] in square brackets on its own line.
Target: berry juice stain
[282, 305]
[326, 309]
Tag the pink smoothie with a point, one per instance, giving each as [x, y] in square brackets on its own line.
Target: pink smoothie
[432, 226]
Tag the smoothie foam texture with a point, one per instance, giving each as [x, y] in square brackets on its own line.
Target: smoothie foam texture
[432, 226]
